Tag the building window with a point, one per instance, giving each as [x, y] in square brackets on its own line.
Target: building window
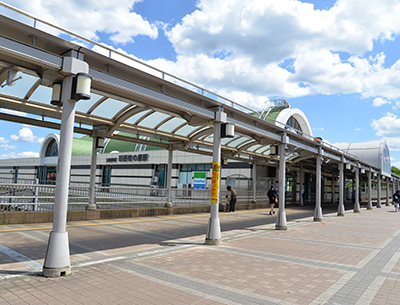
[293, 123]
[52, 149]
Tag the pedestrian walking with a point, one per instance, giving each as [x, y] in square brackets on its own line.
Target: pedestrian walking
[231, 198]
[273, 198]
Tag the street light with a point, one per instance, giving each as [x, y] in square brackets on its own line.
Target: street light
[80, 89]
[227, 130]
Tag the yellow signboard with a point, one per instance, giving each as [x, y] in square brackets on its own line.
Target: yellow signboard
[215, 182]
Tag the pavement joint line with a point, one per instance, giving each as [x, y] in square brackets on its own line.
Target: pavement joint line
[371, 291]
[198, 286]
[345, 232]
[100, 261]
[295, 260]
[20, 258]
[333, 289]
[319, 242]
[365, 277]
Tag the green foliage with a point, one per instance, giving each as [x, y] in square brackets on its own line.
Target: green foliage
[395, 170]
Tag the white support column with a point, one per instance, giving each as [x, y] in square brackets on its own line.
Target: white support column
[318, 191]
[387, 191]
[341, 190]
[213, 236]
[92, 185]
[301, 200]
[281, 223]
[369, 204]
[357, 191]
[169, 177]
[57, 260]
[378, 193]
[254, 178]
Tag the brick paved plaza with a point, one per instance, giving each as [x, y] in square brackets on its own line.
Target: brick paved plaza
[343, 260]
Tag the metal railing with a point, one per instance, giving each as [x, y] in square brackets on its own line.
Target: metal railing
[41, 197]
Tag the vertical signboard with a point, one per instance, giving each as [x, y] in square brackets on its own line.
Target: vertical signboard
[215, 182]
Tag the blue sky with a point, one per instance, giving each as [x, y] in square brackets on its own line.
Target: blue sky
[337, 61]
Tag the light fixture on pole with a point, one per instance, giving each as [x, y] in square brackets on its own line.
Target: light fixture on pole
[227, 130]
[100, 142]
[80, 89]
[81, 84]
[56, 94]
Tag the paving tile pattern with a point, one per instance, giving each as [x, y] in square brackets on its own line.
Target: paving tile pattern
[341, 261]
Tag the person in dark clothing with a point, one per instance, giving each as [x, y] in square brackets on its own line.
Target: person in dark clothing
[273, 198]
[231, 198]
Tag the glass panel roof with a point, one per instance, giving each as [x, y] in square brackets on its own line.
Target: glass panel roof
[137, 116]
[109, 108]
[254, 147]
[85, 105]
[42, 94]
[238, 141]
[185, 130]
[21, 86]
[153, 119]
[171, 124]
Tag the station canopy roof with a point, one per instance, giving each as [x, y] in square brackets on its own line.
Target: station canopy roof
[131, 101]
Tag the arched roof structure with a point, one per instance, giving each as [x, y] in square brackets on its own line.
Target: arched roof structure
[374, 152]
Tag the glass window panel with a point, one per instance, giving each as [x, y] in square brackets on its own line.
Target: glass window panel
[171, 124]
[109, 108]
[21, 86]
[154, 119]
[85, 105]
[137, 116]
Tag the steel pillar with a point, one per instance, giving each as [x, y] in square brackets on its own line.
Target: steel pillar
[92, 185]
[341, 190]
[369, 204]
[281, 223]
[318, 191]
[213, 236]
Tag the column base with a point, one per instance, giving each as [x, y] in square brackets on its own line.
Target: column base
[317, 219]
[355, 211]
[57, 261]
[280, 227]
[56, 272]
[341, 215]
[91, 207]
[213, 242]
[168, 205]
[369, 209]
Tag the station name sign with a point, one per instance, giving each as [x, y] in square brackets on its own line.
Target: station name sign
[129, 158]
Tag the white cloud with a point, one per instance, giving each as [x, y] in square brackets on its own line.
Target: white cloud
[357, 129]
[7, 146]
[25, 154]
[89, 18]
[24, 135]
[388, 128]
[378, 102]
[3, 140]
[254, 49]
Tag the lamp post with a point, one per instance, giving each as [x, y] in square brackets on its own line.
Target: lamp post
[221, 129]
[73, 88]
